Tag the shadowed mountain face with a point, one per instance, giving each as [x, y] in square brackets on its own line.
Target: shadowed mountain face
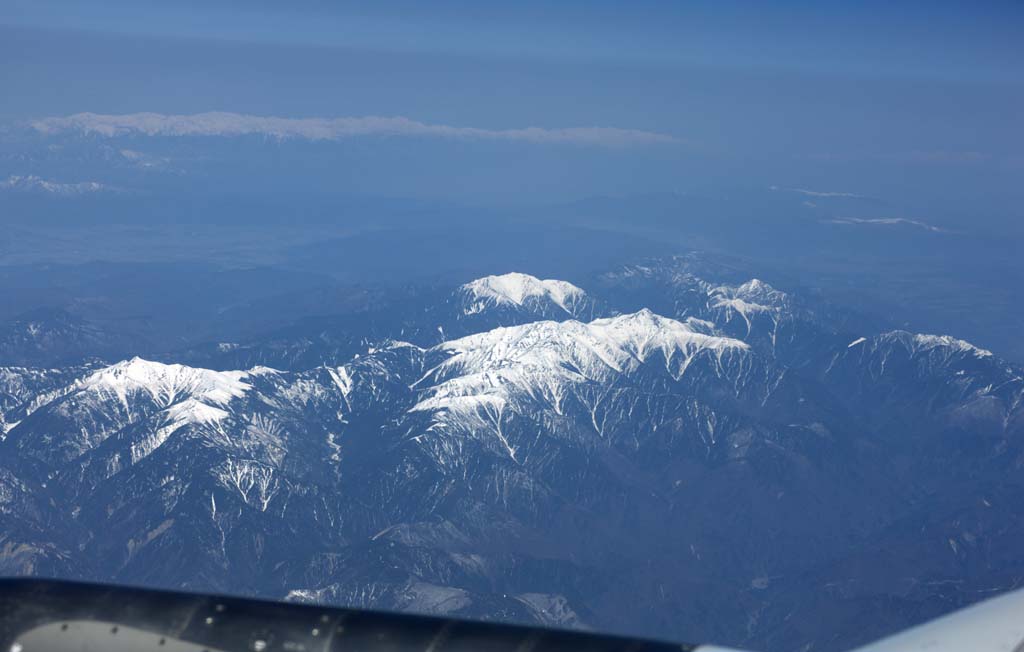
[671, 448]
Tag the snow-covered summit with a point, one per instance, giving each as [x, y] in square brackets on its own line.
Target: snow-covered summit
[140, 401]
[543, 360]
[522, 291]
[753, 296]
[642, 333]
[167, 383]
[747, 301]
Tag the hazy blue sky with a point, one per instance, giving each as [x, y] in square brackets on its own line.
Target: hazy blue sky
[966, 41]
[920, 99]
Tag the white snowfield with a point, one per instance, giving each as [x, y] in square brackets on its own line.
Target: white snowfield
[521, 290]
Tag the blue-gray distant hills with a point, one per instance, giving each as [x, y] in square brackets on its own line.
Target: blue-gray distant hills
[673, 449]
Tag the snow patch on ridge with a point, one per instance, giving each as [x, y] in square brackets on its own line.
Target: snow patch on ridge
[925, 342]
[917, 343]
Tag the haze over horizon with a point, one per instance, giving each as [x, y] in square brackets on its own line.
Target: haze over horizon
[906, 103]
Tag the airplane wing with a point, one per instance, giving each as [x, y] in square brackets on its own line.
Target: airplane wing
[995, 625]
[57, 616]
[54, 616]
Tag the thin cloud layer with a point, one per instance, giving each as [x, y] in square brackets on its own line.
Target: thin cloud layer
[235, 124]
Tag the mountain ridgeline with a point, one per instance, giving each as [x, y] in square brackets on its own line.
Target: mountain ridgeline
[672, 450]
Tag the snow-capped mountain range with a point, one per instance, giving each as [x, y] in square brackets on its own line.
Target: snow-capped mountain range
[33, 183]
[653, 450]
[225, 124]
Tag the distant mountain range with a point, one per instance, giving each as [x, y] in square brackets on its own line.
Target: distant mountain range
[673, 449]
[33, 183]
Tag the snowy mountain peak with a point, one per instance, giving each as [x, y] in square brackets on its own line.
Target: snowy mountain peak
[748, 300]
[167, 383]
[918, 343]
[756, 287]
[488, 372]
[755, 294]
[930, 341]
[521, 290]
[622, 337]
[755, 284]
[643, 332]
